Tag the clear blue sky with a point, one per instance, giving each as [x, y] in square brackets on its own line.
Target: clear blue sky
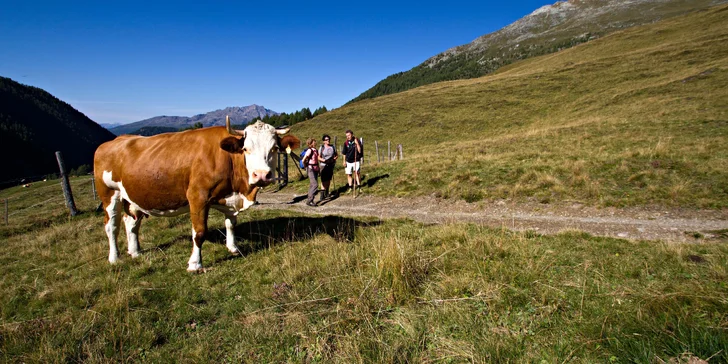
[124, 61]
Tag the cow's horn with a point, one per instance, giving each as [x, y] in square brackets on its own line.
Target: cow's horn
[230, 128]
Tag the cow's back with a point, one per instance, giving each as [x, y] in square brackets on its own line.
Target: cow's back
[155, 172]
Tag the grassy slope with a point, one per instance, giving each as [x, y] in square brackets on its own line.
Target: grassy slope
[335, 289]
[637, 117]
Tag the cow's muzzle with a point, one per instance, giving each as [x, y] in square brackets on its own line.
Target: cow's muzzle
[261, 177]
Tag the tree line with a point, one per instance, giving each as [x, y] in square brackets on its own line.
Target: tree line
[294, 117]
[464, 66]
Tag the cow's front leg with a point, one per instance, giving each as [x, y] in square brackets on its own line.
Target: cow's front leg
[199, 229]
[230, 221]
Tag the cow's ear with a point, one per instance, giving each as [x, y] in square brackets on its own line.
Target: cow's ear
[232, 145]
[289, 141]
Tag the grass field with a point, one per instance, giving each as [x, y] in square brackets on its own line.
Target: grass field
[330, 288]
[638, 117]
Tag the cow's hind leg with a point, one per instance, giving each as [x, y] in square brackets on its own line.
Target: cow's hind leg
[132, 222]
[111, 200]
[198, 215]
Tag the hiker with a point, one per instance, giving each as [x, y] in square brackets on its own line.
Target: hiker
[353, 151]
[311, 161]
[327, 160]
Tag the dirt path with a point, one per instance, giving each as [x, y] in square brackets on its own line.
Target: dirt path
[628, 223]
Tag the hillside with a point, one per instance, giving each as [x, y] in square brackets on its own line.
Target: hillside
[238, 116]
[34, 125]
[637, 117]
[546, 30]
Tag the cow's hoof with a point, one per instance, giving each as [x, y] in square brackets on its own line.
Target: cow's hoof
[195, 268]
[234, 252]
[134, 254]
[113, 260]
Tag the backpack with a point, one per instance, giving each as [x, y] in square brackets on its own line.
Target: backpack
[300, 161]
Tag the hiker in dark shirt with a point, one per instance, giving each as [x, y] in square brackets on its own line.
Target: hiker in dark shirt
[353, 151]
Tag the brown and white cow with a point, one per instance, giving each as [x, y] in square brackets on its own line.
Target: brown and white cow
[186, 172]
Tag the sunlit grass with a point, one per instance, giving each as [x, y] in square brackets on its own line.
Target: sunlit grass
[340, 289]
[643, 112]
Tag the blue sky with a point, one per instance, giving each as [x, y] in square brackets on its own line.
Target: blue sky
[125, 61]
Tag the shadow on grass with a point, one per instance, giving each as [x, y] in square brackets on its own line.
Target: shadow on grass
[366, 182]
[253, 236]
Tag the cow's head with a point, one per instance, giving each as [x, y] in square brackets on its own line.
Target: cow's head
[259, 144]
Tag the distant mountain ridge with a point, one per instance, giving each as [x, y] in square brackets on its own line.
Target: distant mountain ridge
[35, 124]
[546, 30]
[238, 116]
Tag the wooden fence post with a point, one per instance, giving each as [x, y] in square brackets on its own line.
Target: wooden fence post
[377, 147]
[93, 187]
[66, 185]
[389, 152]
[401, 152]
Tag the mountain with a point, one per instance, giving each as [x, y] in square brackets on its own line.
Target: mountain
[34, 125]
[548, 29]
[153, 130]
[108, 126]
[238, 116]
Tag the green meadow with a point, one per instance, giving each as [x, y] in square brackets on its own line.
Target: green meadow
[635, 118]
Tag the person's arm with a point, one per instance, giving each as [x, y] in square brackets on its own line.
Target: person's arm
[358, 146]
[343, 152]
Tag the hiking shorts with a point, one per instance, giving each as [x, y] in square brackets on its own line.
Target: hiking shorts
[352, 166]
[327, 173]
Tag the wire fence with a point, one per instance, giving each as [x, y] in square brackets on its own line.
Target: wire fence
[19, 201]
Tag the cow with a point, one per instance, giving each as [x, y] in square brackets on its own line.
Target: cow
[185, 172]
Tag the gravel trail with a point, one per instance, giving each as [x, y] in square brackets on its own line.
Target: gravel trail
[643, 223]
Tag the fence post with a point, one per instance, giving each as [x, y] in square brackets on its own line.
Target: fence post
[401, 152]
[376, 145]
[93, 187]
[66, 185]
[285, 167]
[389, 151]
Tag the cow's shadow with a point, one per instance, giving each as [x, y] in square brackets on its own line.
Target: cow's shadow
[253, 236]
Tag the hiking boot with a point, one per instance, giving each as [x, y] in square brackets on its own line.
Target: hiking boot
[348, 190]
[324, 195]
[311, 203]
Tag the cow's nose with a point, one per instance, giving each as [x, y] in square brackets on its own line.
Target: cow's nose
[262, 175]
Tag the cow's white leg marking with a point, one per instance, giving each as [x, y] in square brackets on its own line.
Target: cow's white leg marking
[195, 262]
[132, 234]
[230, 222]
[247, 203]
[114, 210]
